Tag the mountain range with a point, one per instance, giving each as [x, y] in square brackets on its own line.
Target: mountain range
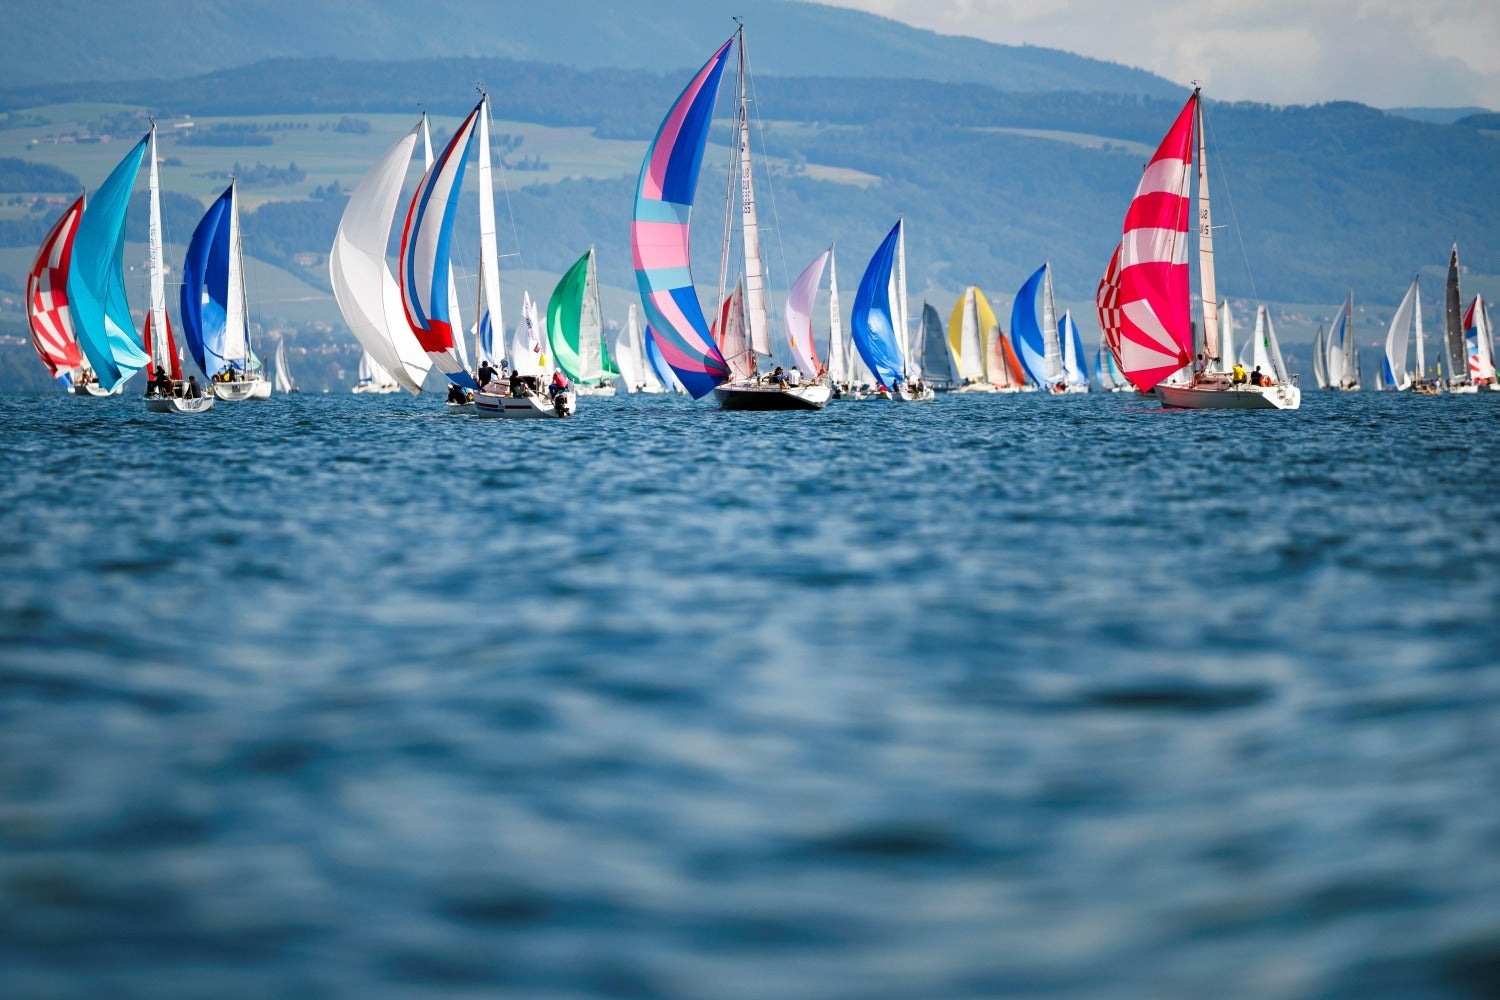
[135, 39]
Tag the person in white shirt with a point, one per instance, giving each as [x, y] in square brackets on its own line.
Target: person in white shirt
[794, 377]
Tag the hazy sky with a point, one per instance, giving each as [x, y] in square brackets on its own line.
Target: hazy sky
[1379, 52]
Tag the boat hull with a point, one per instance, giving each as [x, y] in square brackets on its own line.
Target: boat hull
[179, 404]
[765, 397]
[927, 395]
[93, 389]
[370, 389]
[524, 407]
[1223, 396]
[1463, 388]
[595, 390]
[234, 392]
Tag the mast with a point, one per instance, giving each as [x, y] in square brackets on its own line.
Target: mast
[1207, 286]
[161, 343]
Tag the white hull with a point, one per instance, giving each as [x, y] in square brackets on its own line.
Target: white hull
[1463, 388]
[234, 392]
[752, 396]
[927, 395]
[371, 389]
[524, 407]
[595, 390]
[1224, 396]
[179, 404]
[94, 389]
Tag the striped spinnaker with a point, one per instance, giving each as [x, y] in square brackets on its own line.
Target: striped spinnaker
[1156, 332]
[426, 249]
[659, 233]
[1107, 302]
[47, 296]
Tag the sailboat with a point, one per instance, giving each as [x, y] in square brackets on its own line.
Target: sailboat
[629, 355]
[283, 378]
[574, 329]
[660, 222]
[1262, 352]
[1320, 359]
[743, 328]
[1481, 344]
[96, 287]
[363, 285]
[212, 304]
[846, 372]
[1455, 344]
[1339, 370]
[1157, 337]
[1075, 363]
[47, 311]
[1408, 318]
[971, 324]
[1033, 323]
[939, 366]
[1106, 372]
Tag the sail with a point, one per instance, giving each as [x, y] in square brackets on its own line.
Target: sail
[967, 327]
[96, 280]
[489, 255]
[426, 243]
[1003, 366]
[873, 319]
[1075, 364]
[938, 364]
[1320, 358]
[1395, 342]
[573, 323]
[366, 291]
[1156, 334]
[1457, 353]
[163, 351]
[756, 325]
[1478, 341]
[1226, 337]
[1107, 304]
[1026, 326]
[47, 296]
[840, 349]
[1103, 369]
[659, 233]
[1273, 353]
[658, 364]
[1346, 337]
[212, 299]
[799, 305]
[1336, 358]
[283, 380]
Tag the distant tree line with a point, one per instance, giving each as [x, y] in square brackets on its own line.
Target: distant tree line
[23, 176]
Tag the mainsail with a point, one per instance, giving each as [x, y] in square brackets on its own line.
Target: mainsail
[938, 363]
[1457, 352]
[47, 296]
[96, 280]
[1075, 364]
[1396, 338]
[659, 233]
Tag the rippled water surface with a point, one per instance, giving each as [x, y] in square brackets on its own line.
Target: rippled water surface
[339, 696]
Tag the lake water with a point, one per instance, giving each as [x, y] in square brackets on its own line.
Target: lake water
[351, 696]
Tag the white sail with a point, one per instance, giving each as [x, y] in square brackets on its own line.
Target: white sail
[1226, 337]
[838, 349]
[1053, 348]
[799, 306]
[759, 339]
[363, 286]
[1420, 334]
[1333, 350]
[236, 337]
[1396, 340]
[1207, 283]
[1273, 352]
[903, 329]
[972, 355]
[283, 378]
[1320, 358]
[161, 344]
[1350, 369]
[629, 354]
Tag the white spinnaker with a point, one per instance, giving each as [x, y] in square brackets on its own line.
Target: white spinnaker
[628, 353]
[283, 381]
[363, 285]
